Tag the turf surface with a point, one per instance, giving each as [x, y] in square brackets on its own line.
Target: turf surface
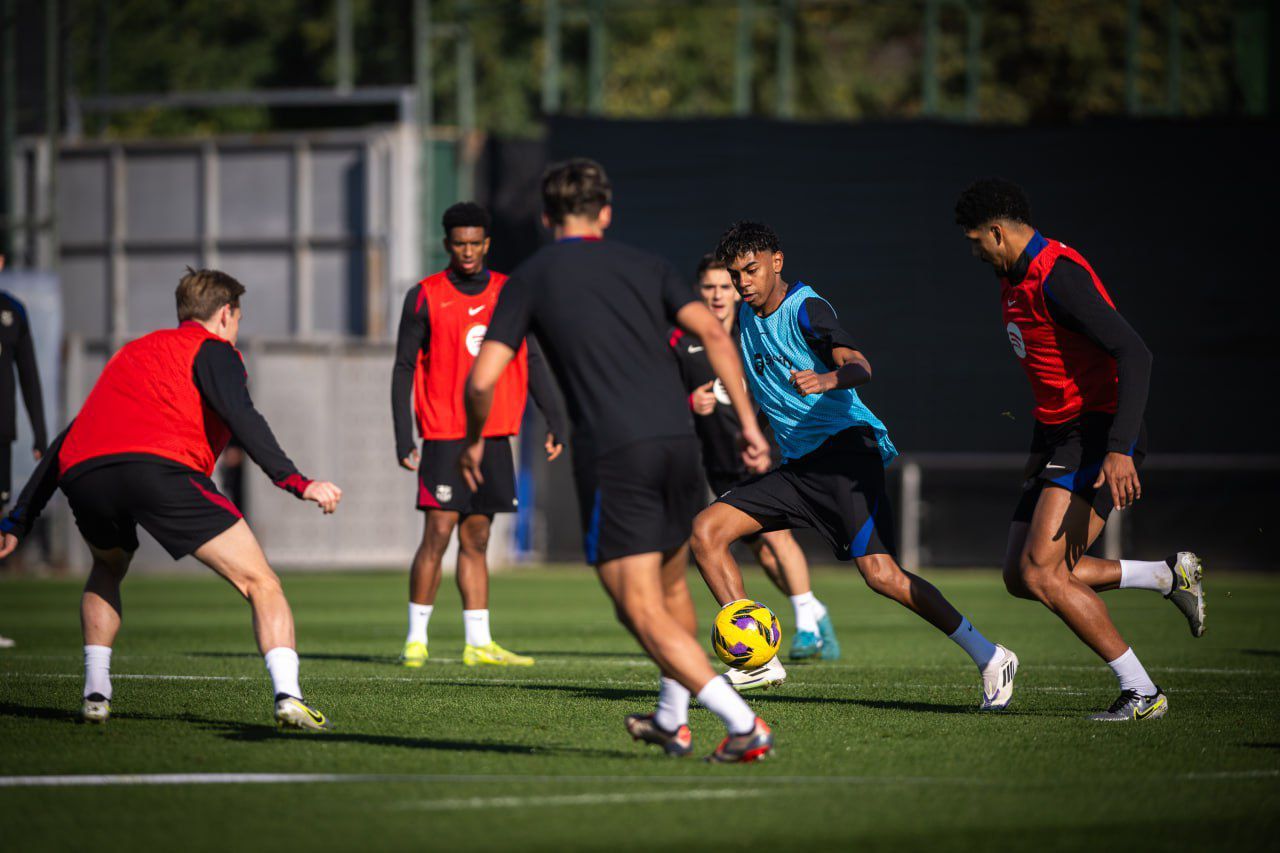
[881, 750]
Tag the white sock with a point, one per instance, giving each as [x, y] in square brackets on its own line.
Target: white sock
[476, 625]
[722, 700]
[1131, 674]
[974, 644]
[673, 705]
[819, 609]
[282, 663]
[806, 619]
[97, 670]
[419, 616]
[1146, 574]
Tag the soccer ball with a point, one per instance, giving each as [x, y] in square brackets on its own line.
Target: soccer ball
[745, 634]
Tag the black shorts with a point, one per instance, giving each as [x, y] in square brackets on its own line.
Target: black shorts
[1069, 456]
[722, 481]
[6, 472]
[638, 498]
[440, 483]
[180, 507]
[838, 490]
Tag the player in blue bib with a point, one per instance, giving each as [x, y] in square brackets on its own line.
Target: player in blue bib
[802, 369]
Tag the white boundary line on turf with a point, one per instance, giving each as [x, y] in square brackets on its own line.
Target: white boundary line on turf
[577, 800]
[551, 682]
[146, 779]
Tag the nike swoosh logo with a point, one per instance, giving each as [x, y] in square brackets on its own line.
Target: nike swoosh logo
[1142, 715]
[1011, 302]
[474, 311]
[695, 349]
[1052, 467]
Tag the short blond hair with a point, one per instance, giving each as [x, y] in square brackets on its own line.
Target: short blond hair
[201, 293]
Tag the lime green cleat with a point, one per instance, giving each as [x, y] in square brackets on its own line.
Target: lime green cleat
[493, 655]
[414, 655]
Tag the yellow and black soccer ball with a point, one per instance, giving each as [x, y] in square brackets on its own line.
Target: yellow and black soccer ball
[745, 634]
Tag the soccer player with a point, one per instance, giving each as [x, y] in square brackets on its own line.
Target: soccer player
[717, 426]
[1089, 373]
[441, 327]
[803, 368]
[142, 451]
[602, 310]
[17, 351]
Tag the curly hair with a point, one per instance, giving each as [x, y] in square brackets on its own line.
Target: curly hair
[465, 214]
[987, 199]
[745, 237]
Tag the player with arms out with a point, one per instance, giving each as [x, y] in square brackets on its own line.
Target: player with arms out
[803, 368]
[1089, 373]
[141, 452]
[602, 310]
[717, 426]
[441, 326]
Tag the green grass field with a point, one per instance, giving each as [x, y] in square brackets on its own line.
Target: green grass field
[881, 750]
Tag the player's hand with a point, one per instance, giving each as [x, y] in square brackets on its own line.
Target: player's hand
[553, 447]
[8, 544]
[323, 493]
[1119, 474]
[411, 461]
[703, 399]
[807, 382]
[755, 449]
[469, 462]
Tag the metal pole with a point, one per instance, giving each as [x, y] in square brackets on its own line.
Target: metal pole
[786, 58]
[551, 62]
[1175, 58]
[911, 514]
[51, 107]
[930, 70]
[742, 61]
[466, 100]
[595, 58]
[1134, 32]
[345, 77]
[426, 160]
[8, 133]
[973, 59]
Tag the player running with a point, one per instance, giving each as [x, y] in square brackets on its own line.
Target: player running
[142, 451]
[441, 327]
[717, 426]
[803, 369]
[601, 311]
[1089, 373]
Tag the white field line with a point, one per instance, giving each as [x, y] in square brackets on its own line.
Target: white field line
[643, 662]
[578, 800]
[549, 682]
[147, 779]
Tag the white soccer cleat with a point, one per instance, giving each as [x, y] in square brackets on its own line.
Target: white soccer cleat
[6, 643]
[770, 675]
[997, 680]
[96, 708]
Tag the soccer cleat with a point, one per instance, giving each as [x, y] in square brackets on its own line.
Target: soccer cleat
[997, 680]
[755, 745]
[6, 643]
[1187, 593]
[643, 727]
[96, 708]
[414, 655]
[830, 645]
[804, 645]
[293, 713]
[771, 674]
[493, 655]
[1132, 705]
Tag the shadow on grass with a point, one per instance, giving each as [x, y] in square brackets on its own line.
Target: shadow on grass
[1265, 653]
[383, 659]
[235, 730]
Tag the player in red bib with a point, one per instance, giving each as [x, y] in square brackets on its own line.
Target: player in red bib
[1089, 373]
[142, 452]
[441, 327]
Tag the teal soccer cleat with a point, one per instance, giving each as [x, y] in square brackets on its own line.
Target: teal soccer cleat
[804, 645]
[830, 643]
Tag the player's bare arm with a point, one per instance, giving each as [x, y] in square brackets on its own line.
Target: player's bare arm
[696, 319]
[852, 370]
[478, 400]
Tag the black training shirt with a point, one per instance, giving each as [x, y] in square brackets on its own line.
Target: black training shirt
[18, 351]
[601, 310]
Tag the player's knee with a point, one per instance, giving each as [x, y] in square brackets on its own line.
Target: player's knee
[881, 573]
[1040, 577]
[708, 534]
[1014, 583]
[259, 586]
[474, 542]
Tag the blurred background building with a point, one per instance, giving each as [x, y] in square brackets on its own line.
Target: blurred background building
[309, 147]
